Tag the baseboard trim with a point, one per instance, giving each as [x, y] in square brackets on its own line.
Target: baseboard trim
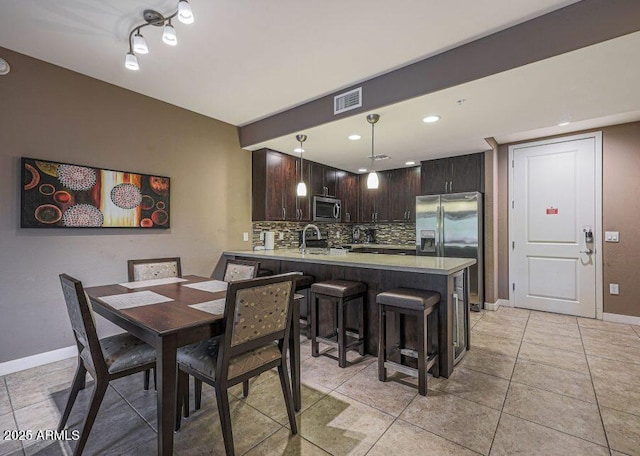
[491, 306]
[617, 318]
[16, 365]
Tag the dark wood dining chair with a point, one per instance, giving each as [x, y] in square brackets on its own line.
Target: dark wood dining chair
[240, 270]
[105, 359]
[154, 268]
[148, 269]
[257, 319]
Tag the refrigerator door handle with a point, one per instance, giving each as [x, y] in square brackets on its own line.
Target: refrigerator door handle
[456, 310]
[442, 215]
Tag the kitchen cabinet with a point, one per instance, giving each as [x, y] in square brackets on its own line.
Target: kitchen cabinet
[374, 203]
[463, 173]
[404, 186]
[382, 250]
[347, 192]
[303, 203]
[274, 186]
[323, 180]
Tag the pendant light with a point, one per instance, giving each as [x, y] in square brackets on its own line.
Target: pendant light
[301, 189]
[372, 179]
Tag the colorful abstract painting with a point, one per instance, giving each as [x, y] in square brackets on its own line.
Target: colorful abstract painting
[72, 196]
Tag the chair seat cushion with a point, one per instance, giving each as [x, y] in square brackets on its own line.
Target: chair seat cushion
[304, 281]
[202, 357]
[338, 288]
[124, 351]
[408, 298]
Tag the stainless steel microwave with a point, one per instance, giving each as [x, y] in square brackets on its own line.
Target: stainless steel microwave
[326, 209]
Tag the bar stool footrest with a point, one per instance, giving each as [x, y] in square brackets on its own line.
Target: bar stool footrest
[431, 360]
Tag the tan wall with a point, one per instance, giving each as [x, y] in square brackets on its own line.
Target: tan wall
[620, 212]
[51, 113]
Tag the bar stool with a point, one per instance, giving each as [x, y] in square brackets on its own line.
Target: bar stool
[303, 285]
[340, 293]
[424, 306]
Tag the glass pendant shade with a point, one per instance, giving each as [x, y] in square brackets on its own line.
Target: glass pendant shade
[372, 180]
[131, 62]
[301, 190]
[139, 44]
[185, 15]
[169, 35]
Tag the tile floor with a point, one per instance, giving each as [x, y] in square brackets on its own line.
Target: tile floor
[533, 383]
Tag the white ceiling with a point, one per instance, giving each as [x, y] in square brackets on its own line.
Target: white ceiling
[243, 60]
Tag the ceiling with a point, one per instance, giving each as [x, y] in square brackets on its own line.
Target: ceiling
[243, 60]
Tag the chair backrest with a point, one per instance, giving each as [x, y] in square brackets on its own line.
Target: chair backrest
[83, 324]
[154, 268]
[240, 270]
[257, 312]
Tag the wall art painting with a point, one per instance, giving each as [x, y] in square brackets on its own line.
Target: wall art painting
[61, 195]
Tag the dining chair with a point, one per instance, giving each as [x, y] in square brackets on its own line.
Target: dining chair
[154, 268]
[257, 319]
[105, 359]
[240, 270]
[148, 269]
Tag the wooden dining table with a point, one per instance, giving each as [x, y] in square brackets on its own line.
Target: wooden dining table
[173, 324]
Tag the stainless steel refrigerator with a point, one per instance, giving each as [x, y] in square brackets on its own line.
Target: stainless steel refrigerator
[450, 225]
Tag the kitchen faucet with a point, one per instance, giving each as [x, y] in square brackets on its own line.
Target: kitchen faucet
[303, 247]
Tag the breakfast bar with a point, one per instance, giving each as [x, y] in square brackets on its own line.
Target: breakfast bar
[383, 272]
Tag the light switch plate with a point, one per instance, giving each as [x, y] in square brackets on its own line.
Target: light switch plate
[612, 236]
[614, 289]
[262, 235]
[245, 236]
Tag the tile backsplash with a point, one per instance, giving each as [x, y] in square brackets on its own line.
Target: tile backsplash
[337, 233]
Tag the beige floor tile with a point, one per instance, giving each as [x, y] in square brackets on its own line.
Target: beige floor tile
[499, 330]
[8, 423]
[500, 318]
[284, 443]
[476, 386]
[554, 328]
[554, 379]
[403, 438]
[517, 436]
[614, 371]
[615, 352]
[236, 390]
[617, 395]
[390, 397]
[481, 360]
[5, 404]
[611, 338]
[461, 421]
[553, 318]
[496, 345]
[636, 329]
[325, 372]
[201, 433]
[36, 385]
[606, 326]
[554, 357]
[341, 425]
[623, 431]
[563, 413]
[513, 312]
[267, 398]
[534, 336]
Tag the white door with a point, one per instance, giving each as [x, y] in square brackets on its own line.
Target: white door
[553, 225]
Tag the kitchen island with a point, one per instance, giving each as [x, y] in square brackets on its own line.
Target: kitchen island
[381, 273]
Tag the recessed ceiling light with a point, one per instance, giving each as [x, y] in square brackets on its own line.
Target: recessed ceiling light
[409, 163]
[562, 124]
[355, 137]
[362, 170]
[431, 119]
[298, 150]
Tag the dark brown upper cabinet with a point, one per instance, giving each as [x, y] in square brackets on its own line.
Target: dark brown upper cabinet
[347, 191]
[374, 203]
[303, 203]
[323, 180]
[464, 173]
[274, 186]
[404, 186]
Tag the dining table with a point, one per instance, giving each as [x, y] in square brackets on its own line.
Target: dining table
[171, 313]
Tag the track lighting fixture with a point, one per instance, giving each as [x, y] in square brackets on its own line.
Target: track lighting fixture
[137, 43]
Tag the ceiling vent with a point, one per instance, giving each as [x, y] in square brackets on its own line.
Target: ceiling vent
[381, 157]
[347, 101]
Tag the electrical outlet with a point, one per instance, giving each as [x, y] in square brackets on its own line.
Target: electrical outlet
[245, 236]
[614, 289]
[262, 235]
[612, 236]
[281, 236]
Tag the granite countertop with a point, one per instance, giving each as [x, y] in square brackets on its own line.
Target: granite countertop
[407, 263]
